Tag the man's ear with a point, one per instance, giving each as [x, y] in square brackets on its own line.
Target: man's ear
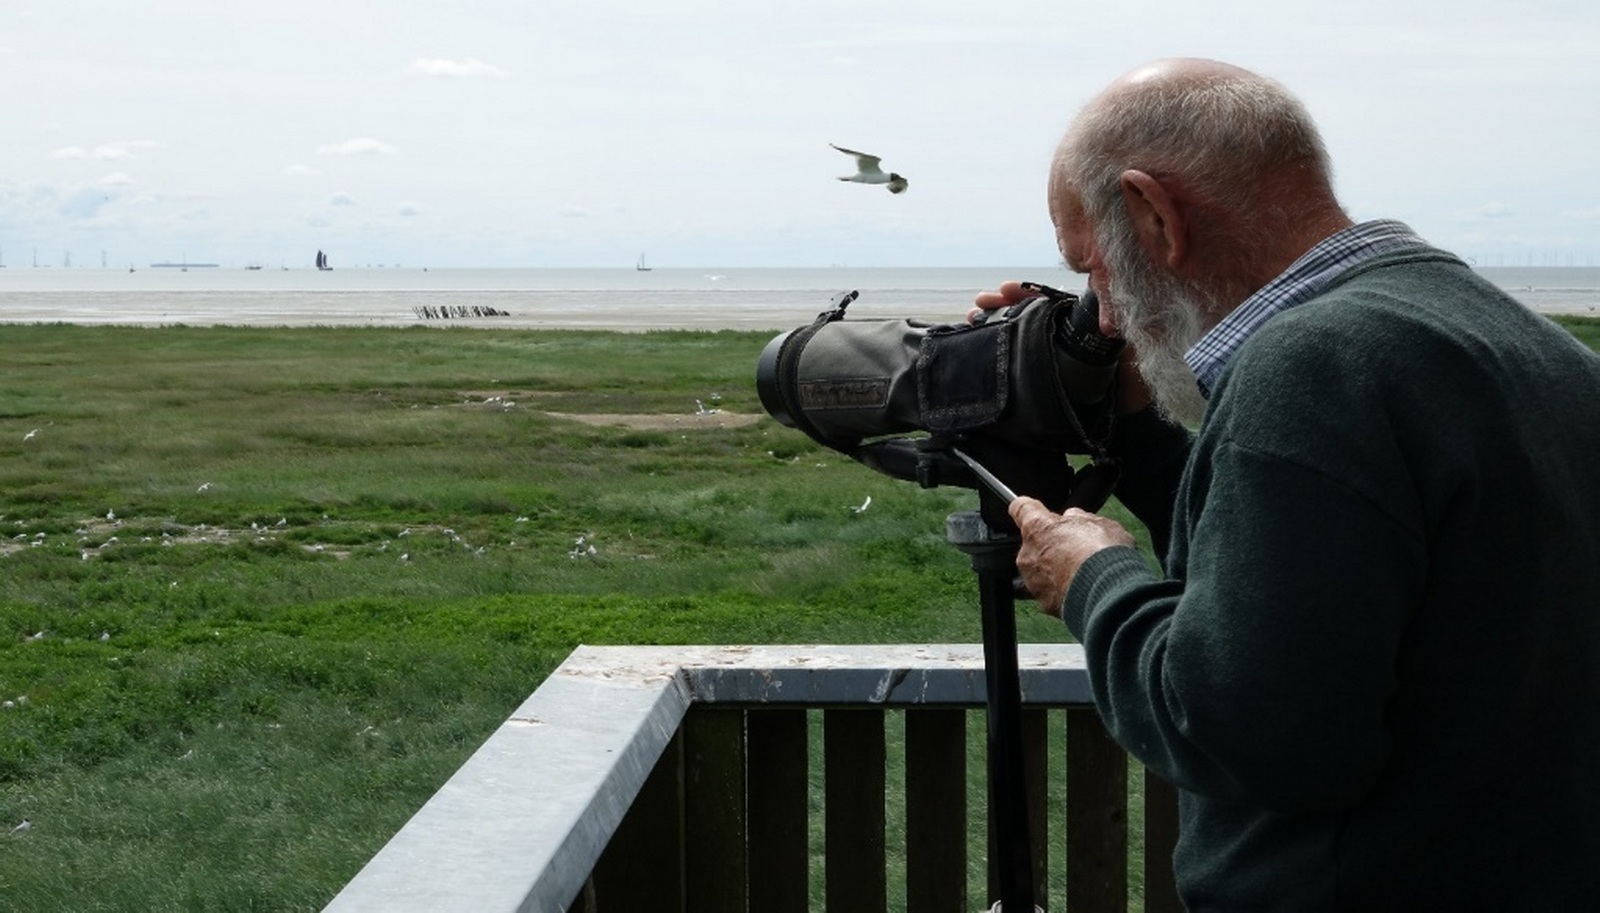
[1157, 218]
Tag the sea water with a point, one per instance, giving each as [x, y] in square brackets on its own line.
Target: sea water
[628, 299]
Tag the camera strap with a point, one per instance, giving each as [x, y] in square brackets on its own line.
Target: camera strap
[789, 358]
[1093, 485]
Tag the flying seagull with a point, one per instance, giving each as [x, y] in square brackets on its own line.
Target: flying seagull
[868, 172]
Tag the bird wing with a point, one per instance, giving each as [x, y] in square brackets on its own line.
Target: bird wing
[866, 164]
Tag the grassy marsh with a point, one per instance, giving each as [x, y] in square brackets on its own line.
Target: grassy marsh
[262, 590]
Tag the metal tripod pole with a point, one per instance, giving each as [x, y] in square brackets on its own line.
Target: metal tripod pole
[994, 557]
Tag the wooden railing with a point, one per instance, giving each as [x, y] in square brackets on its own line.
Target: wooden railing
[684, 779]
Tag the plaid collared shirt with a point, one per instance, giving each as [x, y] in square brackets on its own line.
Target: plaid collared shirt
[1306, 278]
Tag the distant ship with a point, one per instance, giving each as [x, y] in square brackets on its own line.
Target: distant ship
[322, 261]
[640, 265]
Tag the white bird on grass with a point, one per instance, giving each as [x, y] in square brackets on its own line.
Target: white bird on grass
[22, 828]
[869, 172]
[864, 505]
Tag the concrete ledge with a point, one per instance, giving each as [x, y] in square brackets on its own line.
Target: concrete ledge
[521, 824]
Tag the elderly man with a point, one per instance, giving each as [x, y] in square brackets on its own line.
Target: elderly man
[1372, 666]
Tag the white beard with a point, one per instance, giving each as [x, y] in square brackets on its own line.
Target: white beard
[1161, 317]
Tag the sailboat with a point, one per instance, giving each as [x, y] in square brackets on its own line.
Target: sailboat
[322, 261]
[640, 265]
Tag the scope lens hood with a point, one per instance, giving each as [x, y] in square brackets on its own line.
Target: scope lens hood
[768, 386]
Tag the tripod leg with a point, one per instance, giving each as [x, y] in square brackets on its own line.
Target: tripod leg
[1007, 775]
[994, 559]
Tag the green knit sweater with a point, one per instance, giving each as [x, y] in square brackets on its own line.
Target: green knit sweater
[1373, 665]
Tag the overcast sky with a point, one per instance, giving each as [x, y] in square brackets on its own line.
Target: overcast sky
[535, 133]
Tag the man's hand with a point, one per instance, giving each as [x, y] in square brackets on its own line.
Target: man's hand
[1055, 545]
[1009, 293]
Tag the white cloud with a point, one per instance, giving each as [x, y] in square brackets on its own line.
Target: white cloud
[358, 146]
[408, 210]
[462, 69]
[120, 149]
[1495, 210]
[341, 199]
[301, 171]
[116, 179]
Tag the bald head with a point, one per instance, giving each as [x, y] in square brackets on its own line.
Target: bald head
[1236, 154]
[1218, 130]
[1178, 70]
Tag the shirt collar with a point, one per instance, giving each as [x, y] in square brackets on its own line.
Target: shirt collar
[1307, 277]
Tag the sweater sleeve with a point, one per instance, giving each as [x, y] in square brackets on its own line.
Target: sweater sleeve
[1264, 671]
[1152, 452]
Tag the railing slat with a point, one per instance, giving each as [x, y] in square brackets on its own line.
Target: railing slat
[714, 810]
[779, 807]
[854, 755]
[642, 866]
[1160, 839]
[936, 810]
[1036, 755]
[1097, 816]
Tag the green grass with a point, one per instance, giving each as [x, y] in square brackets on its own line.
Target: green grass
[288, 579]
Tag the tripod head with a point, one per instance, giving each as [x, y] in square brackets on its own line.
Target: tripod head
[999, 470]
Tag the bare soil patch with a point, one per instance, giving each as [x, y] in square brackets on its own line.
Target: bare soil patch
[704, 418]
[663, 421]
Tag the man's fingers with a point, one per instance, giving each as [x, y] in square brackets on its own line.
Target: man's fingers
[1010, 292]
[1025, 510]
[1012, 289]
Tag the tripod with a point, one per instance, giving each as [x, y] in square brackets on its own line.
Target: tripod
[991, 542]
